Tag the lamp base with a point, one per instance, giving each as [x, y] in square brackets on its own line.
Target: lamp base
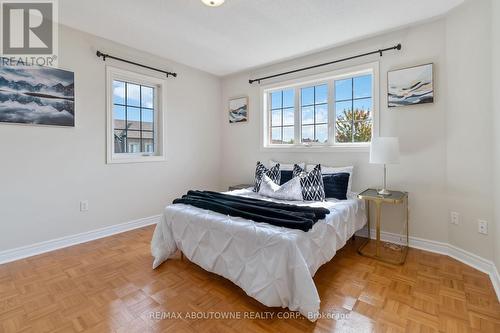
[384, 192]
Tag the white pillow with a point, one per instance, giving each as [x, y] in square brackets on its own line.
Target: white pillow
[329, 170]
[286, 167]
[291, 190]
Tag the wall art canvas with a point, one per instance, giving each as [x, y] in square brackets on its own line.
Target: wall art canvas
[238, 110]
[37, 96]
[410, 86]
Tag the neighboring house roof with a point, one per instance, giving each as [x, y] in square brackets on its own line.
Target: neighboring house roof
[134, 128]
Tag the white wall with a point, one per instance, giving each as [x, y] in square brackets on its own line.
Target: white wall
[46, 171]
[446, 161]
[421, 129]
[468, 126]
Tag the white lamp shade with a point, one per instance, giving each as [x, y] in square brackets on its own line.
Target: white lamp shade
[384, 150]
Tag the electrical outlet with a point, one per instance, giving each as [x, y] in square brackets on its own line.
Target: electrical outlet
[84, 205]
[482, 227]
[454, 218]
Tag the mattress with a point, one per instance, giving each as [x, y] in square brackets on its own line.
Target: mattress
[274, 265]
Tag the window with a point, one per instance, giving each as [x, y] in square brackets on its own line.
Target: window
[282, 116]
[331, 110]
[353, 109]
[314, 112]
[135, 117]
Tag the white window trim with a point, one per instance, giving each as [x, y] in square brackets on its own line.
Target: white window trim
[316, 79]
[114, 73]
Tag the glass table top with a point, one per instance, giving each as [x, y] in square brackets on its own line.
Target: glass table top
[373, 194]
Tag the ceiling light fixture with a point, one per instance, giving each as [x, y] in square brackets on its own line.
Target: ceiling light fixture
[213, 3]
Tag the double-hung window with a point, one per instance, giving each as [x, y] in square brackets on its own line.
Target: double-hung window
[135, 114]
[333, 110]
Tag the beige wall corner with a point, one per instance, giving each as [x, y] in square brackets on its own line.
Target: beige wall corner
[495, 60]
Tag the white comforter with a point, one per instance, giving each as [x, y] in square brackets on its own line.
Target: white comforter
[274, 265]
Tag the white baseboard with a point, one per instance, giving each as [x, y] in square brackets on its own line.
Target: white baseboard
[495, 279]
[59, 243]
[468, 258]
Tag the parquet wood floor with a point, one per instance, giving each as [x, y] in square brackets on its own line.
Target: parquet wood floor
[108, 286]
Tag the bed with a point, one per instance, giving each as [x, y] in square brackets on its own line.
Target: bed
[274, 265]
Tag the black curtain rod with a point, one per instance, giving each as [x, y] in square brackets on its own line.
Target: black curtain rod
[104, 56]
[381, 51]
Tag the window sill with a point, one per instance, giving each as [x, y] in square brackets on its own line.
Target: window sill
[135, 159]
[355, 148]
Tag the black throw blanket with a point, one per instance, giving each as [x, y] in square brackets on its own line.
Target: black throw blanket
[282, 215]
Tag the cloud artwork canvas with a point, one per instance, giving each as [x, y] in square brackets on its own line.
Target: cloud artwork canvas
[238, 110]
[37, 95]
[411, 86]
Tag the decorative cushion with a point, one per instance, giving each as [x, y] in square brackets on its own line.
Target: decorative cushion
[336, 185]
[326, 170]
[286, 170]
[291, 190]
[311, 182]
[261, 170]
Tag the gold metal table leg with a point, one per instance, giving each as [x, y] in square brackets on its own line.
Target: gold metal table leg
[367, 202]
[379, 209]
[407, 222]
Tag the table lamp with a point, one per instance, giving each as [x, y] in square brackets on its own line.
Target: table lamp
[384, 150]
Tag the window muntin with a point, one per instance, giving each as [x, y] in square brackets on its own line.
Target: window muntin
[133, 118]
[282, 116]
[314, 113]
[320, 119]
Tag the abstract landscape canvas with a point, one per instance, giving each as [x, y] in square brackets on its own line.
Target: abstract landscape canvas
[238, 110]
[37, 95]
[411, 86]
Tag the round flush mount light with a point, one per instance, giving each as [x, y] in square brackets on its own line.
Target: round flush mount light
[213, 3]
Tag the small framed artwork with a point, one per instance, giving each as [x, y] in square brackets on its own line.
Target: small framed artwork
[410, 86]
[37, 96]
[238, 110]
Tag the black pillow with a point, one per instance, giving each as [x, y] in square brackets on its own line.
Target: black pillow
[261, 170]
[336, 185]
[286, 175]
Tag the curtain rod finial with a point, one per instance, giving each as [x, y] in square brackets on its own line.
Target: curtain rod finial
[100, 54]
